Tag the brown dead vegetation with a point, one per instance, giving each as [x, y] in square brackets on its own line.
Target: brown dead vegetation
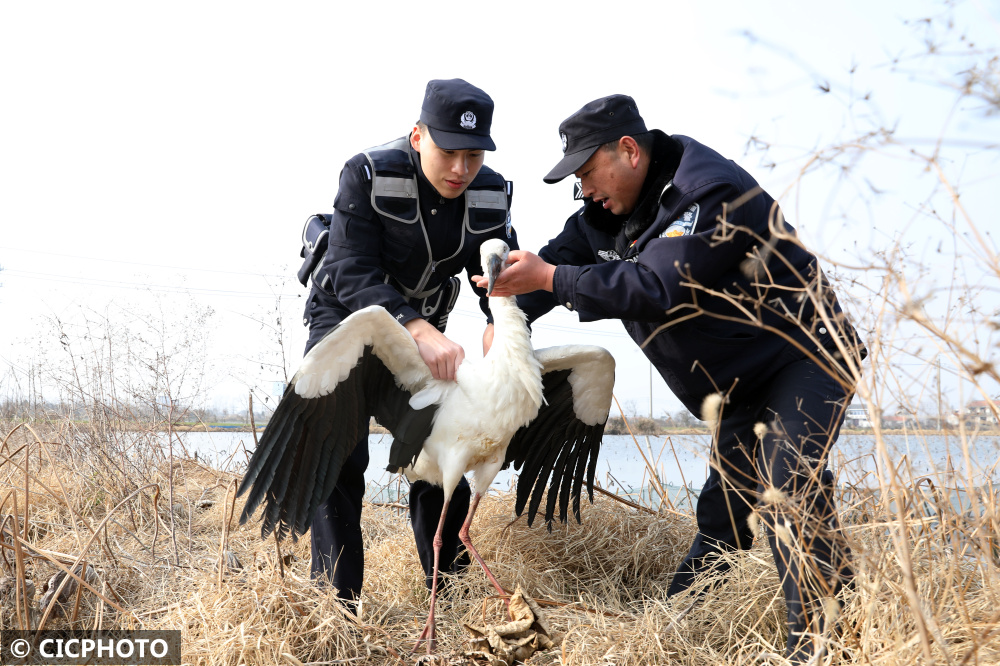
[240, 600]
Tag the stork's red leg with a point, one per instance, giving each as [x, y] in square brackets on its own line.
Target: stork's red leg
[463, 534]
[428, 632]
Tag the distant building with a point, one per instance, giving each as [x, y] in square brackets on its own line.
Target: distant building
[982, 414]
[857, 417]
[899, 421]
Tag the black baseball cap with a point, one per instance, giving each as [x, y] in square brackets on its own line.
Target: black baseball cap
[597, 123]
[458, 115]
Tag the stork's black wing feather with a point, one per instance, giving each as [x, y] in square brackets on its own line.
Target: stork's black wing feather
[270, 449]
[409, 427]
[303, 448]
[550, 435]
[554, 450]
[291, 469]
[300, 454]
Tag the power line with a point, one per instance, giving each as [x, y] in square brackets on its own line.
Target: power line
[138, 263]
[123, 284]
[232, 293]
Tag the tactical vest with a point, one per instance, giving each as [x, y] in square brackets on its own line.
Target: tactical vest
[395, 198]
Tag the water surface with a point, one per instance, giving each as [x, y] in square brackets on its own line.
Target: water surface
[681, 461]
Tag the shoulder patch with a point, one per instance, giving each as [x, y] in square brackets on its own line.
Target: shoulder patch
[608, 255]
[509, 227]
[685, 224]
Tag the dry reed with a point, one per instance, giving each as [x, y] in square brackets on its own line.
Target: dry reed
[240, 600]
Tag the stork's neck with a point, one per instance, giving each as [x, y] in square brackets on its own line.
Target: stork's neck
[510, 327]
[514, 365]
[511, 339]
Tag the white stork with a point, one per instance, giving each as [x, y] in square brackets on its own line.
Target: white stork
[542, 411]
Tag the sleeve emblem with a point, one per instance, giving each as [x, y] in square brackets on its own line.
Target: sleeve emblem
[685, 224]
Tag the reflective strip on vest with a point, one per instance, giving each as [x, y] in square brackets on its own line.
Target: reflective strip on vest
[486, 199]
[386, 186]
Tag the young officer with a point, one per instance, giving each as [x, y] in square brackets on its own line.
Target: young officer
[408, 217]
[695, 258]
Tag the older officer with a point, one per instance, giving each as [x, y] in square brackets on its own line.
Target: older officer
[408, 217]
[695, 258]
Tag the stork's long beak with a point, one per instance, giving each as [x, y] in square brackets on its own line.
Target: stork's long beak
[494, 264]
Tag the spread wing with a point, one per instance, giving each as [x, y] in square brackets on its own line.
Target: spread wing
[366, 366]
[561, 445]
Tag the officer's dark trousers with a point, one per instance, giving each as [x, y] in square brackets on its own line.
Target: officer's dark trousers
[802, 408]
[337, 545]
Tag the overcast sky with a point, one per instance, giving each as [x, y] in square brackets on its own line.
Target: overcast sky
[161, 149]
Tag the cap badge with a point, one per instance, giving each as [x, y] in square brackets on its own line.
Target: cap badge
[468, 120]
[565, 140]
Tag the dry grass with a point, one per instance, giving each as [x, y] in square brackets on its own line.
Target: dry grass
[602, 583]
[154, 542]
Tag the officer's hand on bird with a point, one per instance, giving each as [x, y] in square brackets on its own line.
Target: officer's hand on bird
[440, 354]
[525, 272]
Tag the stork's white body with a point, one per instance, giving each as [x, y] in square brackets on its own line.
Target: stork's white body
[488, 403]
[477, 417]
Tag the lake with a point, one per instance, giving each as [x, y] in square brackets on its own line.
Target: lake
[682, 460]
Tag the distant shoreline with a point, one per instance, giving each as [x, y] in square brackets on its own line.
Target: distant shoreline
[379, 430]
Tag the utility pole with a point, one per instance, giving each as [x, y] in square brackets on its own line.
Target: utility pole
[940, 411]
[650, 391]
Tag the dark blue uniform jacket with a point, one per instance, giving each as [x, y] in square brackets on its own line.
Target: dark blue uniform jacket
[705, 272]
[371, 258]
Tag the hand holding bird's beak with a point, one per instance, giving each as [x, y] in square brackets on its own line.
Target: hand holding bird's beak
[525, 272]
